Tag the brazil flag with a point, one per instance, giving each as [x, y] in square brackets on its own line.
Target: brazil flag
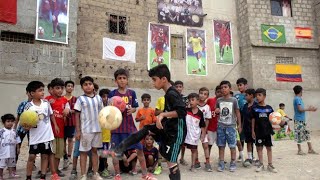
[273, 33]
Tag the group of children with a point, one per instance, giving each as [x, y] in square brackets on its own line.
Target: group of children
[177, 122]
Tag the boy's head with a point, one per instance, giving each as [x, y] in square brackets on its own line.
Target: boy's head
[121, 77]
[87, 84]
[297, 90]
[104, 95]
[218, 91]
[179, 86]
[8, 120]
[49, 86]
[160, 76]
[146, 99]
[282, 106]
[242, 84]
[149, 141]
[193, 99]
[57, 87]
[261, 95]
[225, 88]
[36, 90]
[250, 93]
[96, 88]
[69, 85]
[203, 94]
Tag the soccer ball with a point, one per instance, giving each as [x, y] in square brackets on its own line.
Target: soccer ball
[29, 119]
[118, 102]
[110, 117]
[40, 31]
[275, 120]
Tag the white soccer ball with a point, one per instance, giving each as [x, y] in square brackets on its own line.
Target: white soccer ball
[110, 117]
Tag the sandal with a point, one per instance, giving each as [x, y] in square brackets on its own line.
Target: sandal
[312, 152]
[301, 153]
[149, 177]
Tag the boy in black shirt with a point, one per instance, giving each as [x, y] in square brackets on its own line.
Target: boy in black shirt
[170, 128]
[262, 129]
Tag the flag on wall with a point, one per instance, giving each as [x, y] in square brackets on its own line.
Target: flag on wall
[303, 32]
[273, 33]
[8, 11]
[288, 72]
[119, 50]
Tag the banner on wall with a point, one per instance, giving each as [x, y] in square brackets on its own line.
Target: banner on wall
[196, 52]
[303, 32]
[273, 33]
[288, 73]
[8, 11]
[181, 12]
[223, 42]
[119, 50]
[158, 45]
[52, 21]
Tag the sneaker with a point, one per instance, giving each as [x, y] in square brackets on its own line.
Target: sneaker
[183, 162]
[158, 170]
[73, 175]
[256, 162]
[260, 167]
[65, 164]
[149, 177]
[208, 167]
[233, 166]
[117, 177]
[239, 159]
[55, 177]
[13, 175]
[247, 163]
[90, 173]
[313, 152]
[83, 177]
[38, 175]
[221, 166]
[60, 173]
[197, 166]
[105, 174]
[272, 169]
[134, 172]
[97, 176]
[192, 169]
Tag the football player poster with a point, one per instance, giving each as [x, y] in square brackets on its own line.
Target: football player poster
[196, 52]
[223, 42]
[52, 21]
[158, 45]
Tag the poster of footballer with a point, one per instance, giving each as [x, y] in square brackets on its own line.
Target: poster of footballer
[158, 45]
[181, 12]
[196, 52]
[223, 42]
[52, 21]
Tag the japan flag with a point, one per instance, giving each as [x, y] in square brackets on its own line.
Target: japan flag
[119, 50]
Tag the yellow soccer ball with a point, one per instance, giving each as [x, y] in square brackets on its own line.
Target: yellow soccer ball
[29, 119]
[110, 117]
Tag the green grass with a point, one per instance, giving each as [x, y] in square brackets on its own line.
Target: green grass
[193, 64]
[153, 55]
[227, 57]
[48, 31]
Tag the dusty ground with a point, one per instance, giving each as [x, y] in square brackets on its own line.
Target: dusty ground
[289, 165]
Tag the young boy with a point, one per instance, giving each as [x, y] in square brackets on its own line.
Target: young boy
[127, 126]
[61, 109]
[202, 105]
[283, 131]
[302, 133]
[42, 135]
[69, 128]
[195, 128]
[262, 129]
[150, 153]
[228, 109]
[145, 115]
[88, 129]
[170, 128]
[247, 123]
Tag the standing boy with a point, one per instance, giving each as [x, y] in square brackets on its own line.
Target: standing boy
[228, 109]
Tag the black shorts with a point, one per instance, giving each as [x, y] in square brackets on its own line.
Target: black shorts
[41, 148]
[189, 146]
[264, 141]
[69, 131]
[248, 137]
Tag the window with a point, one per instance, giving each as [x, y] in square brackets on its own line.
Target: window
[285, 60]
[281, 8]
[17, 37]
[177, 47]
[118, 24]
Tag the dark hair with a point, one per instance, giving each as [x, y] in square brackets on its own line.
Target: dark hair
[160, 71]
[193, 95]
[225, 83]
[218, 88]
[178, 83]
[145, 95]
[33, 86]
[68, 82]
[242, 81]
[49, 86]
[282, 105]
[297, 89]
[95, 86]
[262, 91]
[172, 83]
[84, 79]
[57, 82]
[121, 71]
[6, 117]
[250, 91]
[204, 89]
[104, 92]
[231, 92]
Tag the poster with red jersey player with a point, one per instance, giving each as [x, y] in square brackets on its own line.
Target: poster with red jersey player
[223, 42]
[52, 21]
[158, 45]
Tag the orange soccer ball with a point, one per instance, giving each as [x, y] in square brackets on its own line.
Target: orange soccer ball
[275, 120]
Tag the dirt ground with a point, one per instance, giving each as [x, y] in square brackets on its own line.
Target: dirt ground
[285, 159]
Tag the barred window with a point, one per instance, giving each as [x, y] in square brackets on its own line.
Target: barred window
[285, 60]
[118, 24]
[281, 8]
[177, 47]
[17, 37]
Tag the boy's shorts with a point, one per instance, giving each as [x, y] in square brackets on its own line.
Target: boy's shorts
[69, 132]
[190, 146]
[58, 147]
[264, 141]
[226, 135]
[89, 141]
[212, 137]
[8, 162]
[117, 138]
[41, 148]
[301, 132]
